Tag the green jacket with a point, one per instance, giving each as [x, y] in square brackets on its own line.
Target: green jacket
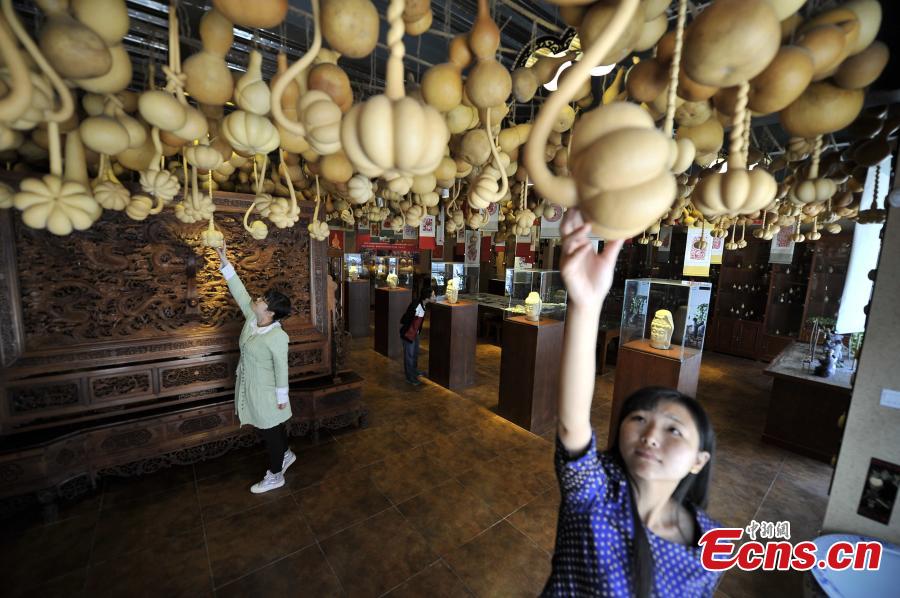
[263, 366]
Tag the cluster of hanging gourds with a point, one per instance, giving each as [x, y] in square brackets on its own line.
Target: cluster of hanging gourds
[450, 144]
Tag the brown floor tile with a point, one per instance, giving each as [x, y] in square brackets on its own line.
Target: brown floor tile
[341, 502]
[318, 463]
[407, 474]
[229, 493]
[118, 491]
[502, 488]
[145, 523]
[499, 435]
[458, 452]
[42, 553]
[790, 501]
[230, 461]
[437, 581]
[365, 447]
[67, 586]
[537, 519]
[501, 562]
[177, 567]
[448, 516]
[252, 539]
[378, 554]
[305, 573]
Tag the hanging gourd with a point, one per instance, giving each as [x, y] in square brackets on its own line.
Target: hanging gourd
[194, 206]
[821, 109]
[739, 190]
[597, 20]
[74, 50]
[156, 181]
[208, 79]
[250, 92]
[16, 76]
[317, 230]
[350, 26]
[109, 192]
[258, 229]
[390, 135]
[814, 188]
[319, 117]
[106, 18]
[203, 157]
[262, 14]
[295, 144]
[731, 41]
[485, 190]
[57, 202]
[488, 82]
[684, 147]
[619, 161]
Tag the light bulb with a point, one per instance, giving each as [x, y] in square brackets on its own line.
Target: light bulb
[552, 84]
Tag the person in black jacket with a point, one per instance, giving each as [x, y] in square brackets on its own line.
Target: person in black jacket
[410, 327]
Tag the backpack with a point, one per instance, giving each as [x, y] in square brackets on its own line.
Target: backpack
[408, 317]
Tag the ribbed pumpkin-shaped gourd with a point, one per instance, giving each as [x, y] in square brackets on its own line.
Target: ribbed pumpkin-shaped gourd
[619, 161]
[321, 119]
[488, 83]
[249, 133]
[390, 135]
[203, 157]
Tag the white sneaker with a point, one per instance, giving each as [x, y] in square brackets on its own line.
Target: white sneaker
[289, 458]
[270, 482]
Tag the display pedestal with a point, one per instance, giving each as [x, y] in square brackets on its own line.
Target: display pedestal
[529, 372]
[451, 344]
[390, 304]
[804, 409]
[639, 365]
[356, 307]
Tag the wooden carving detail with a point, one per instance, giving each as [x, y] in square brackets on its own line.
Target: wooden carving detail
[206, 372]
[113, 387]
[126, 280]
[200, 424]
[303, 358]
[10, 329]
[127, 440]
[44, 396]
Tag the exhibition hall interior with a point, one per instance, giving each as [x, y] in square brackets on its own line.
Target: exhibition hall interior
[488, 298]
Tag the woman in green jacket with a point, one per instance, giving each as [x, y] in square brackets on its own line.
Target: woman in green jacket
[261, 387]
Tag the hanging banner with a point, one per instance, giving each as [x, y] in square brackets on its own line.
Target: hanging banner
[410, 232]
[782, 249]
[718, 249]
[493, 224]
[473, 247]
[427, 227]
[697, 254]
[439, 228]
[550, 226]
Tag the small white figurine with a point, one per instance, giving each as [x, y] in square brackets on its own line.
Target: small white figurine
[533, 305]
[392, 280]
[661, 329]
[452, 291]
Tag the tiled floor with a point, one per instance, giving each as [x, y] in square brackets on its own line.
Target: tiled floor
[438, 497]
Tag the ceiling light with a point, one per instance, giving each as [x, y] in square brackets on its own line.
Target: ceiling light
[552, 84]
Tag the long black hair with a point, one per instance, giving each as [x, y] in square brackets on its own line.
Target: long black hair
[692, 491]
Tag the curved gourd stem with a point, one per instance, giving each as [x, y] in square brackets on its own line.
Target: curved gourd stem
[743, 230]
[562, 190]
[101, 172]
[55, 149]
[16, 102]
[155, 164]
[195, 194]
[247, 217]
[745, 148]
[674, 68]
[736, 138]
[765, 213]
[66, 104]
[504, 180]
[258, 178]
[817, 151]
[292, 126]
[184, 166]
[393, 87]
[318, 201]
[290, 185]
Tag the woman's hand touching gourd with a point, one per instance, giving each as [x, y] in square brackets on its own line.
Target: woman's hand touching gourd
[588, 275]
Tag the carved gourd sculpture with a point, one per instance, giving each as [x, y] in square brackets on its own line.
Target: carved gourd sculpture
[390, 135]
[620, 163]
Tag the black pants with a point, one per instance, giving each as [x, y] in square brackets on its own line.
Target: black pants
[276, 441]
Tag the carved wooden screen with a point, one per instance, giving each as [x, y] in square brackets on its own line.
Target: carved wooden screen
[136, 313]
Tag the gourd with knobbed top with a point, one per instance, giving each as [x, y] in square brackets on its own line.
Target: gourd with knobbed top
[390, 135]
[212, 237]
[203, 157]
[361, 189]
[208, 79]
[488, 82]
[250, 92]
[619, 161]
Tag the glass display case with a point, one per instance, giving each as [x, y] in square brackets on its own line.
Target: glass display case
[353, 263]
[548, 284]
[686, 301]
[442, 272]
